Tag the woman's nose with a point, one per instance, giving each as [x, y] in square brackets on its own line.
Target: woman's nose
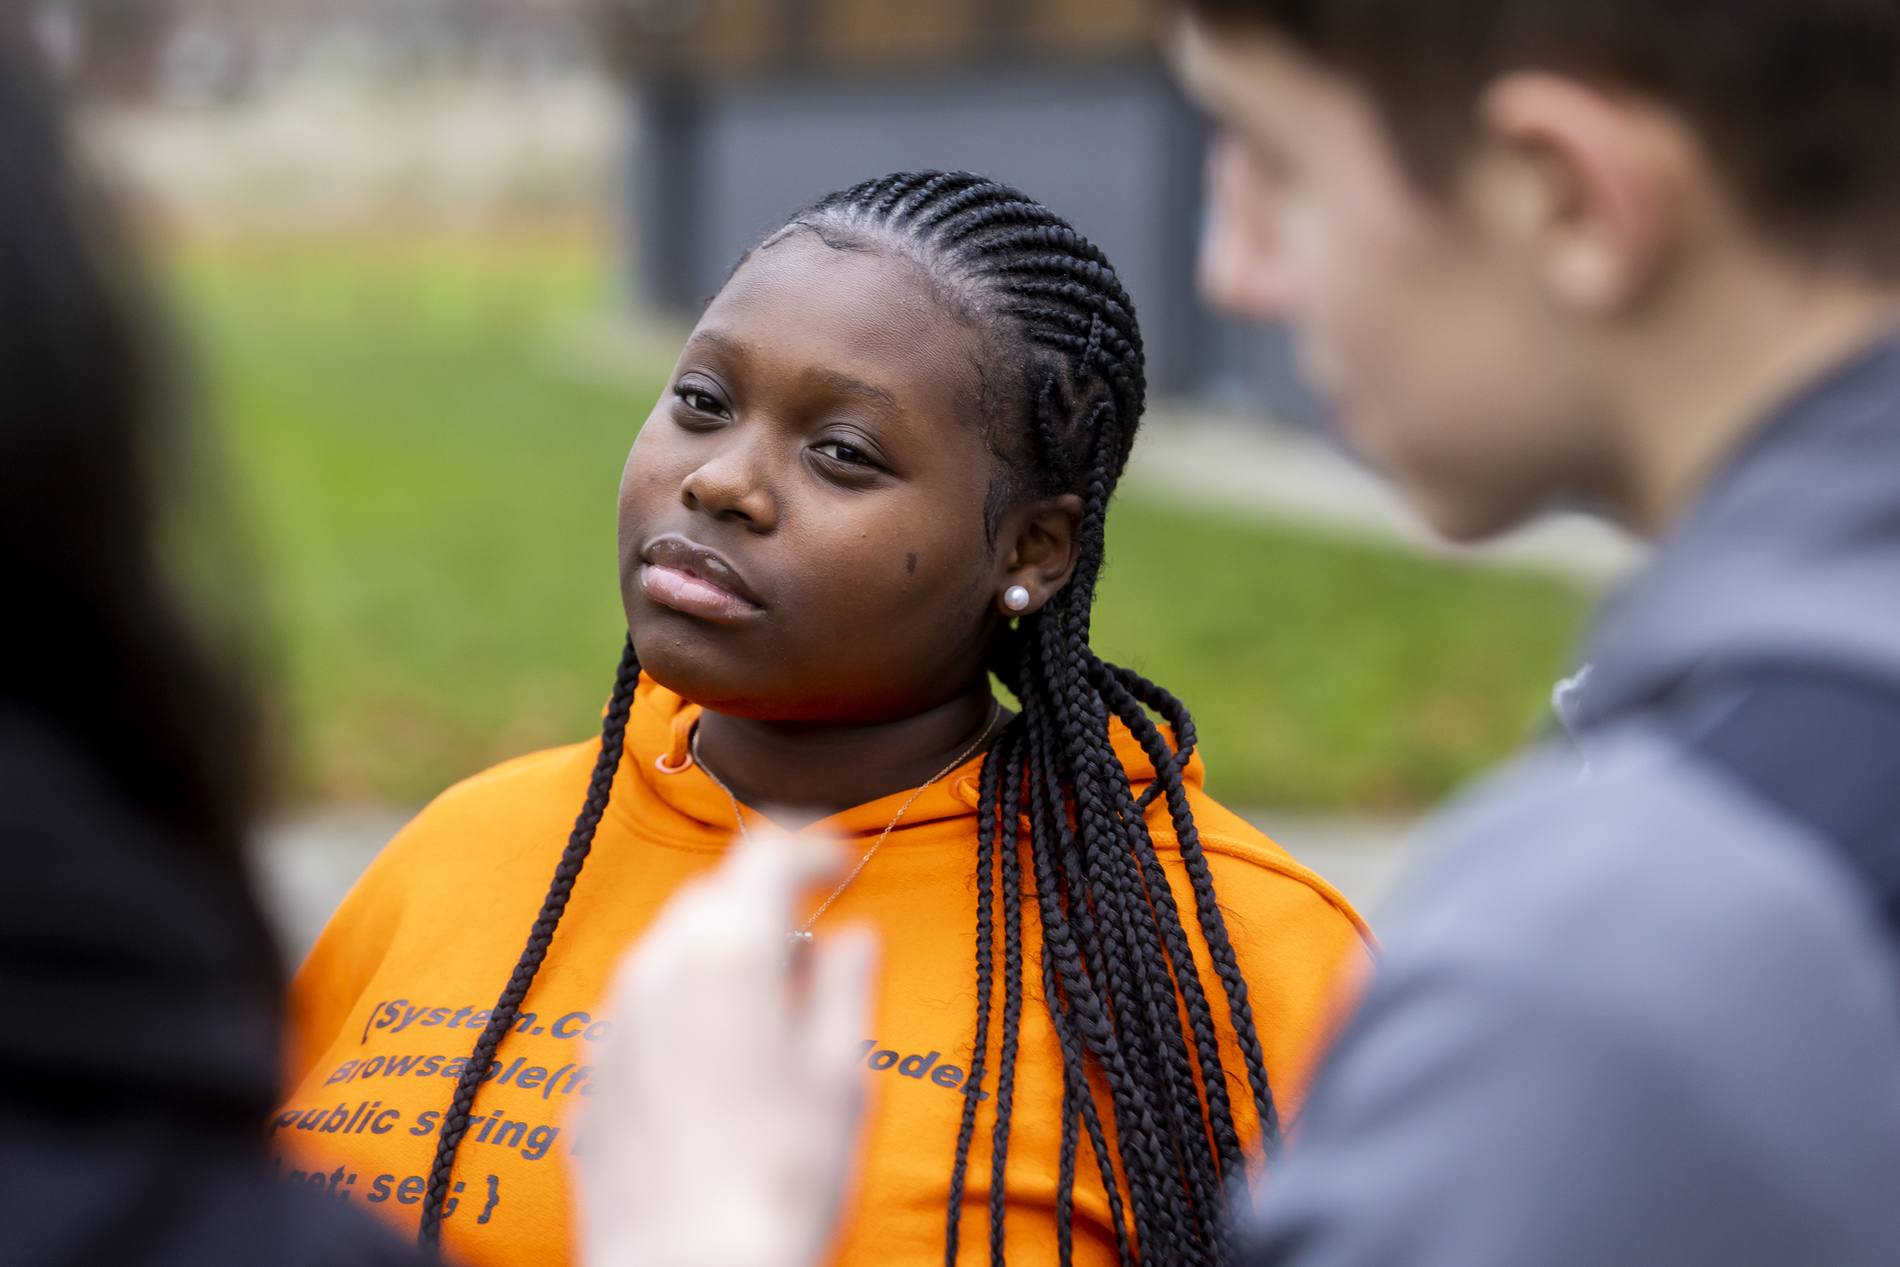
[730, 485]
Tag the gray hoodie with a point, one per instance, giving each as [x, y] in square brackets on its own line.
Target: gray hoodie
[1627, 1013]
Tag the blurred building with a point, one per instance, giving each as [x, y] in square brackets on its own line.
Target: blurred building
[746, 109]
[737, 111]
[232, 50]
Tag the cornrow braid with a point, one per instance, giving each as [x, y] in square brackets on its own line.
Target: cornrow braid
[1121, 976]
[580, 842]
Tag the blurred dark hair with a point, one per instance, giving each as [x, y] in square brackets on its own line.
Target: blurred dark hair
[1797, 100]
[98, 645]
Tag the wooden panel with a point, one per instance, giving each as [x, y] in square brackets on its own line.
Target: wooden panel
[747, 37]
[740, 35]
[872, 33]
[1089, 27]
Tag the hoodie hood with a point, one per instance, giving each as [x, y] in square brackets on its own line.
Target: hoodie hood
[659, 764]
[1791, 555]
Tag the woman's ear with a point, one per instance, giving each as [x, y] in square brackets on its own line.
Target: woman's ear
[1039, 546]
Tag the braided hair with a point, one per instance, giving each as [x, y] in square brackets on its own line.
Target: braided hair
[507, 1008]
[1116, 965]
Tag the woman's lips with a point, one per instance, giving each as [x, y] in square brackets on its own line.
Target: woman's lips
[695, 596]
[696, 580]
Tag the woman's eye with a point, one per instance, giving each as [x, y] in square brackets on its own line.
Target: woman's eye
[848, 454]
[698, 399]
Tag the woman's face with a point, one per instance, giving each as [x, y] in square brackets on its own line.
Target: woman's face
[802, 516]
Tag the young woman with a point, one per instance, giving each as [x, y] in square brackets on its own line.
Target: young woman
[880, 474]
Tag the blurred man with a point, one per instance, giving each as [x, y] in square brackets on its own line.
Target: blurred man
[1639, 1006]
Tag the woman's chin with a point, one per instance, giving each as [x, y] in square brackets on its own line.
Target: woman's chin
[693, 673]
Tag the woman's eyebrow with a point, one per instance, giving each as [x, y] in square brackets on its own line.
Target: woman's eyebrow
[739, 349]
[729, 344]
[870, 393]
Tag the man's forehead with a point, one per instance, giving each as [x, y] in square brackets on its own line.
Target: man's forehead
[1251, 78]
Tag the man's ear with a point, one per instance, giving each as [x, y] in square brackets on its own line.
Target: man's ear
[1590, 184]
[1038, 545]
[1242, 269]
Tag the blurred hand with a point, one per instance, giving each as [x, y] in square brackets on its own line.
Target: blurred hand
[730, 1094]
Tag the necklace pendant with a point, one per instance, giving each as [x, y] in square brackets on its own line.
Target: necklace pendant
[800, 938]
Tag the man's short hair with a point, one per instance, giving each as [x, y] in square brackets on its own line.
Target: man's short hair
[1797, 101]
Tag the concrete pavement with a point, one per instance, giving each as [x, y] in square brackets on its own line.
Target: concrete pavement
[1204, 457]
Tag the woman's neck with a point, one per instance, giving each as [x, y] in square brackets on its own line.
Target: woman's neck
[802, 771]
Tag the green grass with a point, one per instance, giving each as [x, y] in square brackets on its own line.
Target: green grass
[1326, 675]
[430, 472]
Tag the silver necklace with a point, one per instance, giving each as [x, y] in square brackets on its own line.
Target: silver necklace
[803, 932]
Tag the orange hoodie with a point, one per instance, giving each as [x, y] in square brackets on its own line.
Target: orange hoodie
[397, 989]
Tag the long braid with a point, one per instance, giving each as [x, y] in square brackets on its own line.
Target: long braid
[1011, 884]
[508, 1007]
[1129, 968]
[1157, 977]
[1180, 961]
[1049, 821]
[1132, 692]
[1072, 995]
[1120, 975]
[1108, 1015]
[986, 820]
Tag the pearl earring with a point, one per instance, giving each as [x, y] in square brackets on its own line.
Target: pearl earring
[1016, 598]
